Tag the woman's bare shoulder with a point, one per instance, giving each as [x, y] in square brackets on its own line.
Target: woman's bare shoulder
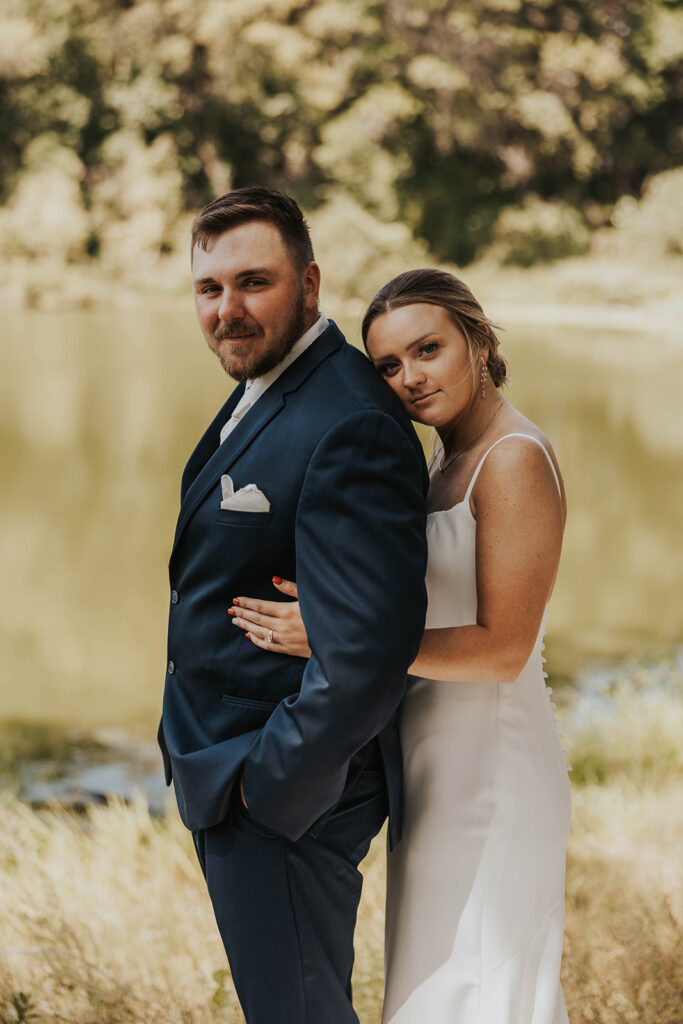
[516, 462]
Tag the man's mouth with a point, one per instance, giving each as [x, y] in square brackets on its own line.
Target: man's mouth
[236, 339]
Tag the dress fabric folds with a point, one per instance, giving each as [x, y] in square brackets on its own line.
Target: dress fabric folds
[475, 899]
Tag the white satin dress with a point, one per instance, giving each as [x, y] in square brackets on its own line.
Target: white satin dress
[475, 899]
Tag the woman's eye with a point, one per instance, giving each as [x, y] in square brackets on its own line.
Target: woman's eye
[388, 369]
[429, 348]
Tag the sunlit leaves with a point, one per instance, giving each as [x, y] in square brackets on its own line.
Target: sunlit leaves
[46, 215]
[24, 49]
[442, 115]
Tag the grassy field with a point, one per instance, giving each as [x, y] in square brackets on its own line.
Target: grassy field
[106, 919]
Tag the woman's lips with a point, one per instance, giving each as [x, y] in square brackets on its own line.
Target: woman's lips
[421, 399]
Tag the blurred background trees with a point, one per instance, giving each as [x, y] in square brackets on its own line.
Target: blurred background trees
[509, 128]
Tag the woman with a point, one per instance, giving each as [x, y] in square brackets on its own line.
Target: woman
[475, 905]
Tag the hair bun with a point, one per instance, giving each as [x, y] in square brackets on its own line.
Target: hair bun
[498, 369]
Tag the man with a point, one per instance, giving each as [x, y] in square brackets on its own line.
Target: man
[284, 767]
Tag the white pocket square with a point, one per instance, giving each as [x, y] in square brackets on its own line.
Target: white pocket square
[247, 499]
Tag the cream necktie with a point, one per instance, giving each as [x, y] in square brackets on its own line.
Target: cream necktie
[242, 407]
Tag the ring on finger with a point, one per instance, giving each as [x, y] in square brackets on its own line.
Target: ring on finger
[269, 636]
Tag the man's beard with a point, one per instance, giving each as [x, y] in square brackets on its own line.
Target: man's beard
[247, 367]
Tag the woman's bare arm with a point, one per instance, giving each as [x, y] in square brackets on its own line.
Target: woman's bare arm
[520, 520]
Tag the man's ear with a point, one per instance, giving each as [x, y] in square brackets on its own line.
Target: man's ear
[311, 282]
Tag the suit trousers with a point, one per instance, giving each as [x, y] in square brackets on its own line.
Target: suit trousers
[286, 910]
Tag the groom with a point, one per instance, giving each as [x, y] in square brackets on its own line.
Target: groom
[284, 768]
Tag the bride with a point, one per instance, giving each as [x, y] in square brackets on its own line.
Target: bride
[475, 896]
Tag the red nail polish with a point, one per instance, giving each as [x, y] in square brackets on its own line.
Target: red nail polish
[248, 634]
[235, 600]
[277, 579]
[231, 611]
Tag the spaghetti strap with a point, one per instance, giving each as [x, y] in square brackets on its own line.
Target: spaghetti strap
[530, 437]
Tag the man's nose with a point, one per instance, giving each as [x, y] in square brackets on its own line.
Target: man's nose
[231, 307]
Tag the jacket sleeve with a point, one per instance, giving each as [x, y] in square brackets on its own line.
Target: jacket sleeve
[361, 558]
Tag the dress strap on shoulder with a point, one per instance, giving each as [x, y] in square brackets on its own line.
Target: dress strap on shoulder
[529, 437]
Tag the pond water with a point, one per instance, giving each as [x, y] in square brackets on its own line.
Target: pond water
[99, 411]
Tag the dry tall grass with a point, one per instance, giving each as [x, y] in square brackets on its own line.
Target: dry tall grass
[106, 920]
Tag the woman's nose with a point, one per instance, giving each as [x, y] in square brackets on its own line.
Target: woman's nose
[413, 376]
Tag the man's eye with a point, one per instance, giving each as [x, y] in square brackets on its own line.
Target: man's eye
[209, 289]
[255, 282]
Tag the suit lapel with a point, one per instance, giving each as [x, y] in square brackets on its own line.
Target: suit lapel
[208, 442]
[329, 341]
[225, 454]
[268, 405]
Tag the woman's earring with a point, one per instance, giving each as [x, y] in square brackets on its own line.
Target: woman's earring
[484, 375]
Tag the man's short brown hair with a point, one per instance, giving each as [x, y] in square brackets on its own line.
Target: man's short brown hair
[256, 202]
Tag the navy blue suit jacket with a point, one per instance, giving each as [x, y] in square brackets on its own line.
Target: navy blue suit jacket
[332, 449]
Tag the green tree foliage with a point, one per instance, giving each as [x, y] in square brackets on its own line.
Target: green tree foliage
[572, 101]
[119, 117]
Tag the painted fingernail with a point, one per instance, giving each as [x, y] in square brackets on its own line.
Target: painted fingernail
[235, 600]
[231, 611]
[248, 634]
[277, 579]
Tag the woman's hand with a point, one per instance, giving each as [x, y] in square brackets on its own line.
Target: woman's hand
[279, 620]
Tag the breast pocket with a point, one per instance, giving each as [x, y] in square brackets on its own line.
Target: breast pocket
[234, 517]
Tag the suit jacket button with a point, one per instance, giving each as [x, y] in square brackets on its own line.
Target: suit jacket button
[171, 668]
[174, 597]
